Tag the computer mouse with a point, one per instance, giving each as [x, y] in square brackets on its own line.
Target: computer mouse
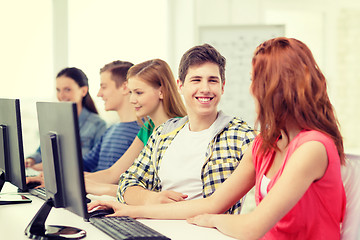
[101, 212]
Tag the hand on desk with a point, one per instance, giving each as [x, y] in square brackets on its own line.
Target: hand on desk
[203, 220]
[39, 179]
[153, 198]
[119, 208]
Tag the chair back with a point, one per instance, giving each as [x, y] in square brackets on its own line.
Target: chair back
[350, 173]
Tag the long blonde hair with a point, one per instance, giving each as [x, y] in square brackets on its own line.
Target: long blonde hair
[157, 73]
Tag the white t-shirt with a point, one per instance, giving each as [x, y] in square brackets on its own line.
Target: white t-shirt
[180, 168]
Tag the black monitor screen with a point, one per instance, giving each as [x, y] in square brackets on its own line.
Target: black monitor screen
[63, 169]
[61, 155]
[11, 143]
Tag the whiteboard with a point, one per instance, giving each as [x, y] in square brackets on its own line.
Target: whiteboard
[237, 44]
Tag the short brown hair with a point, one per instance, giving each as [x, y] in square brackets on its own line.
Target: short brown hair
[118, 70]
[198, 55]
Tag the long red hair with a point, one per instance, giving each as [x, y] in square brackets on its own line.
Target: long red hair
[288, 85]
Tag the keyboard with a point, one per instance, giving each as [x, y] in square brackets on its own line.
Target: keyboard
[38, 192]
[126, 228]
[41, 193]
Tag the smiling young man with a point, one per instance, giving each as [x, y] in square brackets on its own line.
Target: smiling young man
[118, 137]
[188, 158]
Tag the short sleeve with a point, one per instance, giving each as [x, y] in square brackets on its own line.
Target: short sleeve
[146, 131]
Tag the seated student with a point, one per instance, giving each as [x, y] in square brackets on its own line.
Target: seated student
[191, 156]
[154, 95]
[72, 85]
[117, 138]
[294, 163]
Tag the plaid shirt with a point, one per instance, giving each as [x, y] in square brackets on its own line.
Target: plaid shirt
[223, 154]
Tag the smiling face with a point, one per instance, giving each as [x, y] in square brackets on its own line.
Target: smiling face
[202, 90]
[67, 90]
[146, 99]
[113, 97]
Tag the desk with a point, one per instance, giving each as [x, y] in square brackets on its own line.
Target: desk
[14, 218]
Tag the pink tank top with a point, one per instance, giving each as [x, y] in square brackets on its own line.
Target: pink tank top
[320, 211]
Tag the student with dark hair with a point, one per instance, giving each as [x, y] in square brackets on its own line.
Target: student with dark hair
[72, 85]
[81, 79]
[189, 157]
[154, 95]
[118, 137]
[294, 162]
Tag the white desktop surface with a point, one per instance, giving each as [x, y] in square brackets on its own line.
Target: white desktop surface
[14, 218]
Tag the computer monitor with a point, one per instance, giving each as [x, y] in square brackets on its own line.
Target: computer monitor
[12, 168]
[63, 168]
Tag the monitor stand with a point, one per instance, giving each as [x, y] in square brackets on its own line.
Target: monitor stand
[37, 229]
